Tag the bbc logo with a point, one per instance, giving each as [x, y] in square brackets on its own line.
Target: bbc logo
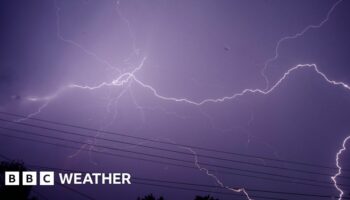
[29, 178]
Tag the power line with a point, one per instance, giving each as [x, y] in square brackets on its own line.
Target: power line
[206, 191]
[200, 185]
[195, 184]
[168, 150]
[162, 157]
[63, 186]
[174, 164]
[248, 189]
[172, 144]
[168, 158]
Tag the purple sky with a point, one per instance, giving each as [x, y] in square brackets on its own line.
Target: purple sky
[142, 68]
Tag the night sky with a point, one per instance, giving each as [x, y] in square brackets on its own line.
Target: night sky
[255, 92]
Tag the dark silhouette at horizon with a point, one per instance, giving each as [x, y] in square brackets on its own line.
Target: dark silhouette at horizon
[18, 192]
[151, 197]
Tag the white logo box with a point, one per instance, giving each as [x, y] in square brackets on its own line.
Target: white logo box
[30, 178]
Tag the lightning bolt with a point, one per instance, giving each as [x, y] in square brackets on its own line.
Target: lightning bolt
[46, 101]
[334, 178]
[128, 76]
[217, 180]
[79, 46]
[125, 80]
[295, 36]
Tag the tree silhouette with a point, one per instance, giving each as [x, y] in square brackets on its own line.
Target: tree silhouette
[150, 197]
[208, 197]
[13, 192]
